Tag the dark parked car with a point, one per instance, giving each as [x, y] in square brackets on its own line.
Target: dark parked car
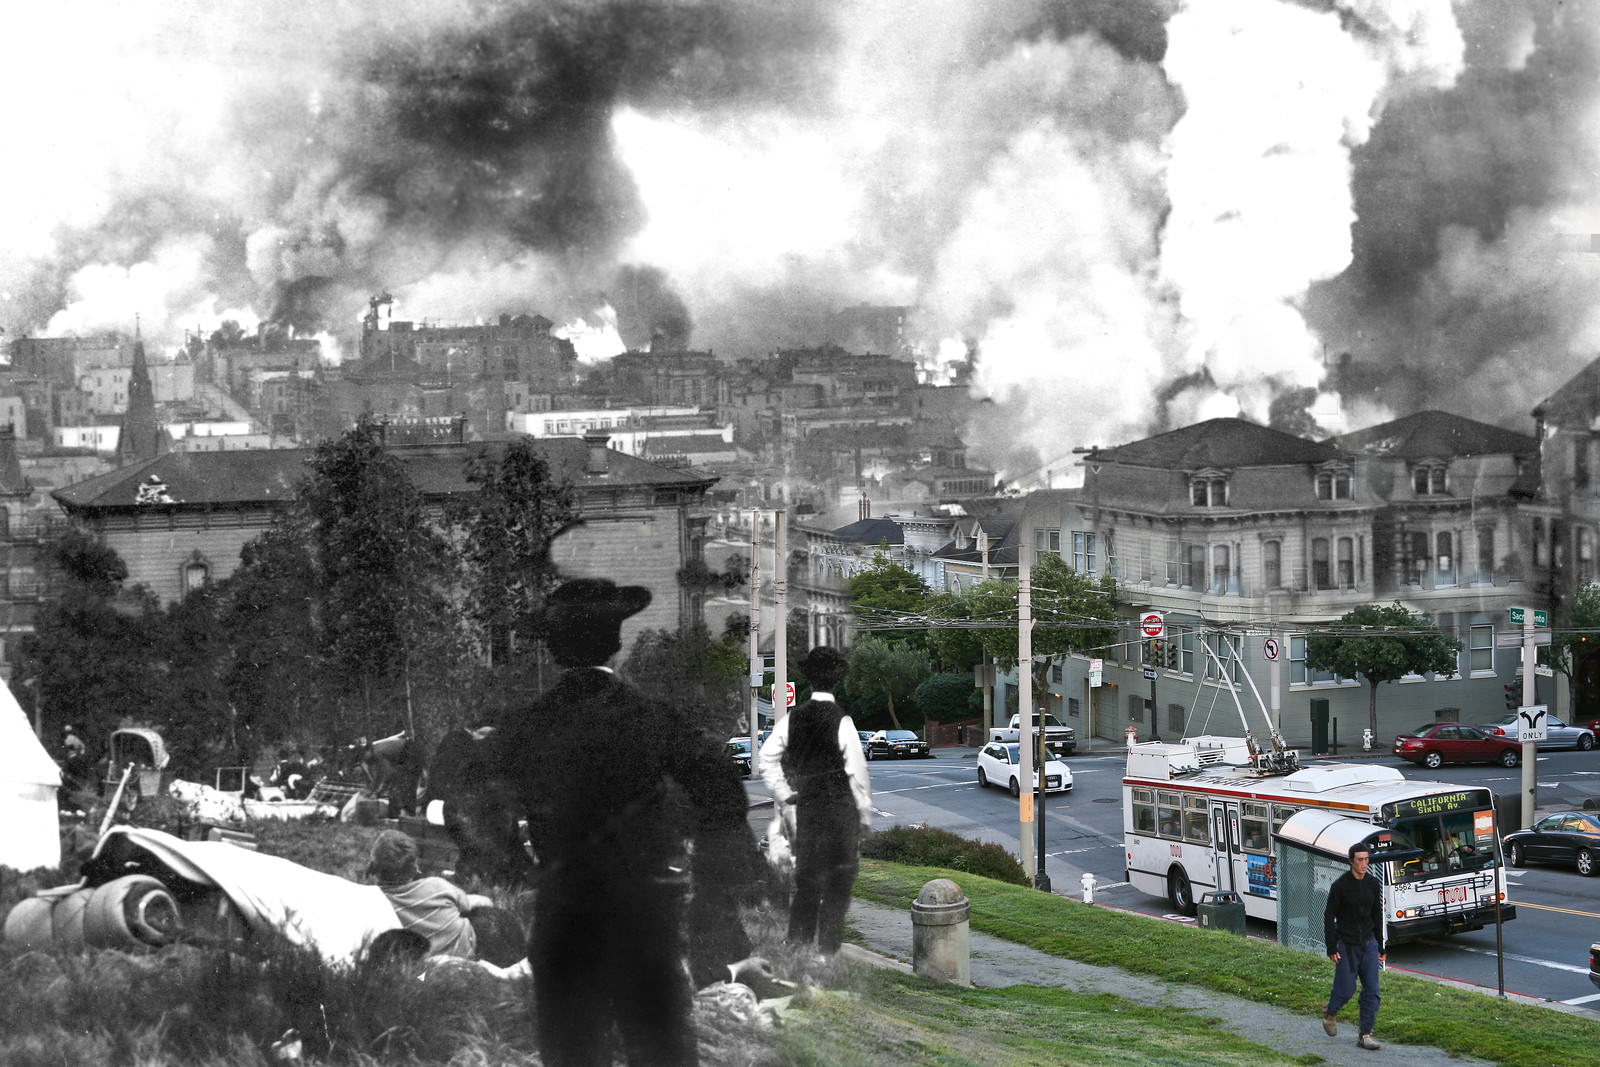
[1436, 743]
[739, 752]
[1565, 837]
[900, 744]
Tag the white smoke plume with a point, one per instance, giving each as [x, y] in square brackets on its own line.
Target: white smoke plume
[1133, 212]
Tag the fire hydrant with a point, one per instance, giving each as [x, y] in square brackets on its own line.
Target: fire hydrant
[1088, 887]
[1366, 739]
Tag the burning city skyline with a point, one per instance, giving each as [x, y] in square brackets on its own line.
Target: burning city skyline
[1138, 213]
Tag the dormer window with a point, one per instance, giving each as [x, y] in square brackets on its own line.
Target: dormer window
[1334, 483]
[1428, 479]
[1208, 489]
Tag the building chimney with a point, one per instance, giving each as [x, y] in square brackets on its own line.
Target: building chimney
[599, 461]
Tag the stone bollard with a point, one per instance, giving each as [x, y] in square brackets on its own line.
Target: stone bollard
[941, 935]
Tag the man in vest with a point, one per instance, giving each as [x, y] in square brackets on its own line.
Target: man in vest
[814, 767]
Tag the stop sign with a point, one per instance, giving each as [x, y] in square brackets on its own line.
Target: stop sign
[1153, 624]
[788, 690]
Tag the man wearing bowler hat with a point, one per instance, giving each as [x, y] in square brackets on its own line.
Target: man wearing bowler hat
[613, 785]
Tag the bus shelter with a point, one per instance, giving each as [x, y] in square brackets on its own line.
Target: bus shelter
[1313, 849]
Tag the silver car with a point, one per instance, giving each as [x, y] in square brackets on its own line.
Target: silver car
[1557, 733]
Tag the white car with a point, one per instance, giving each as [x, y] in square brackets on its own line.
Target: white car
[1000, 764]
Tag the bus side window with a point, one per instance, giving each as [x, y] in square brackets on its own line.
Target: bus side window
[1167, 811]
[1196, 823]
[1144, 811]
[1253, 826]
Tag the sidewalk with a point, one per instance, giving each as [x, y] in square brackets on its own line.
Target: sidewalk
[995, 963]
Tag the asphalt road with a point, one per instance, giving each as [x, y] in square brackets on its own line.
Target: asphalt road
[1545, 947]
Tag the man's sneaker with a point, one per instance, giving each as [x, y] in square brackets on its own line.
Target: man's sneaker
[1365, 1041]
[1330, 1025]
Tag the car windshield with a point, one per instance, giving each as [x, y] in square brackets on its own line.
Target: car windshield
[1422, 731]
[901, 735]
[740, 747]
[1504, 720]
[1012, 755]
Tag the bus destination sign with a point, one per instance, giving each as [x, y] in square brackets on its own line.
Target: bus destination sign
[1437, 803]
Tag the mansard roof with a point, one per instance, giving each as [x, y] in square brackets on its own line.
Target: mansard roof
[871, 532]
[268, 477]
[1436, 434]
[1218, 443]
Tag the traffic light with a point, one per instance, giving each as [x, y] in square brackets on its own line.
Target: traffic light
[1151, 657]
[1513, 697]
[1172, 654]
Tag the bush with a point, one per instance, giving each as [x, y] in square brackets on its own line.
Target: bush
[926, 847]
[949, 697]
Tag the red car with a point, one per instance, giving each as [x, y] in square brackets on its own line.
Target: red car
[1438, 743]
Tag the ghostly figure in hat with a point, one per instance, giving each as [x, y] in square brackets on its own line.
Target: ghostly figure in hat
[614, 785]
[819, 781]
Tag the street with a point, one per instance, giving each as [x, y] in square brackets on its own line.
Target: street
[1545, 947]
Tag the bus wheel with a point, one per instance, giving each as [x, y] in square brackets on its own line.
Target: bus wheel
[1179, 893]
[1586, 863]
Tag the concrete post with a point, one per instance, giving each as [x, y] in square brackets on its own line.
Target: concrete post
[941, 933]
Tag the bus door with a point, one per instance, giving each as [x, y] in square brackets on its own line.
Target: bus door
[1225, 838]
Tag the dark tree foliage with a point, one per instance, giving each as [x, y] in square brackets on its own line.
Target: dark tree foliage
[267, 610]
[96, 649]
[384, 574]
[689, 669]
[948, 697]
[196, 653]
[504, 534]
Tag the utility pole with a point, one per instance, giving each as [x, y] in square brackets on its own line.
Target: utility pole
[756, 673]
[780, 628]
[1030, 865]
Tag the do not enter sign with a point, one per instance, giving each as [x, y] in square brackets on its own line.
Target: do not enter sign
[1153, 624]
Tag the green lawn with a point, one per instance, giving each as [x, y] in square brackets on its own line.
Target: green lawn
[1415, 1010]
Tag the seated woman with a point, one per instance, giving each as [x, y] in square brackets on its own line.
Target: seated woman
[454, 922]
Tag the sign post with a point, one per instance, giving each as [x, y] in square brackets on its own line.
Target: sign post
[1531, 726]
[1153, 625]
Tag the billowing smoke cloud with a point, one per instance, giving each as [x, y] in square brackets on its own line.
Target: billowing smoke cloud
[1473, 283]
[1133, 213]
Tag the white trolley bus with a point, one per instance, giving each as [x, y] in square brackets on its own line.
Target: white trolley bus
[1205, 815]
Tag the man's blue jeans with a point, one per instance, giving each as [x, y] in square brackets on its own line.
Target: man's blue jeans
[1357, 962]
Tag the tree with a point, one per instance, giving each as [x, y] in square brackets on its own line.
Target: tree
[503, 534]
[1582, 635]
[886, 670]
[1382, 643]
[97, 648]
[886, 592]
[1072, 612]
[947, 697]
[385, 575]
[687, 667]
[267, 610]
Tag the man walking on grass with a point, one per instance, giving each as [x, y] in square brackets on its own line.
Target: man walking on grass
[1352, 927]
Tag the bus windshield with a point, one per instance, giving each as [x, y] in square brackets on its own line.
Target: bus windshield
[1450, 841]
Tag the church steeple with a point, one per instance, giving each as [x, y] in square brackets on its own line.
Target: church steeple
[141, 436]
